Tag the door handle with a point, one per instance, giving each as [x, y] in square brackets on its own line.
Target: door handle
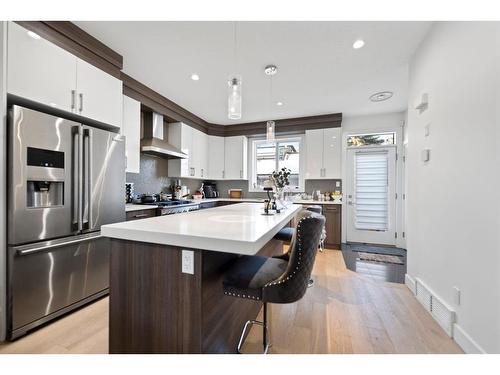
[37, 248]
[81, 102]
[90, 159]
[80, 180]
[73, 99]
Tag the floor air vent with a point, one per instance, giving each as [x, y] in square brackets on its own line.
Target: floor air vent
[442, 313]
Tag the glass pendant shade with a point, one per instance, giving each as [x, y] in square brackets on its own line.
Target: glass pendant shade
[234, 98]
[270, 131]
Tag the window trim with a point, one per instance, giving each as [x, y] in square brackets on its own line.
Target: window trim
[252, 142]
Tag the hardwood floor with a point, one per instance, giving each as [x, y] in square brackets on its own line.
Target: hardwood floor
[344, 312]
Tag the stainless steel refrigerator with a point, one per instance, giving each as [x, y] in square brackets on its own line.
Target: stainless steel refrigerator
[65, 180]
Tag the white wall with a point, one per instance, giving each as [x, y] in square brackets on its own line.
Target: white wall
[389, 122]
[453, 200]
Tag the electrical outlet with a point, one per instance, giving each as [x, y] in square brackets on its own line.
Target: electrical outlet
[456, 296]
[337, 183]
[188, 261]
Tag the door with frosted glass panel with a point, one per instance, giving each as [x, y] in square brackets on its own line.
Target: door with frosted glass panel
[371, 195]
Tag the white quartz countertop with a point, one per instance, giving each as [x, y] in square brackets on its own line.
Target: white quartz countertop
[136, 207]
[238, 228]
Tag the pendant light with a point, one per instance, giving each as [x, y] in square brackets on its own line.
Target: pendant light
[234, 92]
[270, 71]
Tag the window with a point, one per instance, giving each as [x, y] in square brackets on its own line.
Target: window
[268, 157]
[376, 139]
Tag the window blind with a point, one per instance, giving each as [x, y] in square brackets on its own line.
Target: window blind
[371, 190]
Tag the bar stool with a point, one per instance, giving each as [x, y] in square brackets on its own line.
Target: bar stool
[276, 280]
[286, 234]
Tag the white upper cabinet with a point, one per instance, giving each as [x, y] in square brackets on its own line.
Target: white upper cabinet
[314, 154]
[45, 73]
[324, 153]
[99, 95]
[235, 158]
[199, 154]
[131, 129]
[216, 157]
[39, 70]
[332, 153]
[180, 136]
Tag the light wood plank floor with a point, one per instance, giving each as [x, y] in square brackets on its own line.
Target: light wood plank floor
[344, 312]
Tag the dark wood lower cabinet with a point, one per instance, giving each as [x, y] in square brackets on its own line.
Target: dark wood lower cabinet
[155, 308]
[333, 215]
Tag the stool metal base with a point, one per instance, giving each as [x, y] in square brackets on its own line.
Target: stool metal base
[265, 332]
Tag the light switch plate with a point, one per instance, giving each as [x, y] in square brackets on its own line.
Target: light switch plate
[188, 261]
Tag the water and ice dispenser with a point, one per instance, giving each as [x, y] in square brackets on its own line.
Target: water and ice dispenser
[44, 178]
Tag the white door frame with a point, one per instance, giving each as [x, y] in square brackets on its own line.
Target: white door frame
[388, 237]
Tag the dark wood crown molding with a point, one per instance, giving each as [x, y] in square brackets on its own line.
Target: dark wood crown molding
[70, 37]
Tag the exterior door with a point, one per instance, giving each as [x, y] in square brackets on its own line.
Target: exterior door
[371, 195]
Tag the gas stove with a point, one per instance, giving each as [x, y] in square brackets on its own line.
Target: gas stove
[169, 203]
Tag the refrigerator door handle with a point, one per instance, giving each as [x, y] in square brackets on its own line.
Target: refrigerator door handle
[89, 161]
[48, 245]
[80, 180]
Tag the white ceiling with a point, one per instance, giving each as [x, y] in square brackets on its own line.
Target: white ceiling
[318, 70]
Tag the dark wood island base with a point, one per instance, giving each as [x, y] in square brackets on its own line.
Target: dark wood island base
[156, 308]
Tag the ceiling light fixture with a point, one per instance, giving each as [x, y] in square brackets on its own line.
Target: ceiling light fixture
[279, 104]
[381, 96]
[358, 44]
[195, 77]
[33, 35]
[271, 70]
[234, 90]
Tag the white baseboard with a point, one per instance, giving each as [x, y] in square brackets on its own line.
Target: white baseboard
[466, 342]
[457, 333]
[410, 283]
[435, 305]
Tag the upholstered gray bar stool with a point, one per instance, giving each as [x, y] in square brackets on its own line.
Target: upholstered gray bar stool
[276, 280]
[286, 235]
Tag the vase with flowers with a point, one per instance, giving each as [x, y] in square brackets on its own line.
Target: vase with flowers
[281, 182]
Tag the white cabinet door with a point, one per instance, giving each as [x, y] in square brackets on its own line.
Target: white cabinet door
[99, 95]
[131, 129]
[39, 70]
[235, 158]
[216, 157]
[314, 157]
[203, 155]
[332, 153]
[180, 135]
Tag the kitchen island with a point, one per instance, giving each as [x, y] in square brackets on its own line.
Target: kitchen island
[166, 278]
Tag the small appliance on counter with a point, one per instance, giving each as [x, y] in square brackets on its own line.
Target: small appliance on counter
[235, 193]
[210, 189]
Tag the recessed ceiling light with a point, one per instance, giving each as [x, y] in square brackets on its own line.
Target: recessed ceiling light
[358, 44]
[279, 104]
[381, 96]
[195, 77]
[33, 35]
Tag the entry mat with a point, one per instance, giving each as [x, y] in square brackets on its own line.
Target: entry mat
[382, 258]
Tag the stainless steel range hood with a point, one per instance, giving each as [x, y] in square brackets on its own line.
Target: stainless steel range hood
[153, 142]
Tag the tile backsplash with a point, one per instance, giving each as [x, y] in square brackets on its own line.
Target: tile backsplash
[154, 171]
